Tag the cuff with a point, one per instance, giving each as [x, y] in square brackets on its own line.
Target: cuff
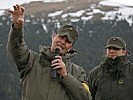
[16, 32]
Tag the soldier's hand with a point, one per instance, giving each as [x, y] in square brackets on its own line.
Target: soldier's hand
[59, 66]
[18, 16]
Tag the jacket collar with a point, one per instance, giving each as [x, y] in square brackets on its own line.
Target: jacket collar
[45, 51]
[117, 62]
[115, 67]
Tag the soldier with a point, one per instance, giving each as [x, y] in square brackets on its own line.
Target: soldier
[36, 69]
[113, 78]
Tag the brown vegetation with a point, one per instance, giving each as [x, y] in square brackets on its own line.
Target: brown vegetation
[70, 5]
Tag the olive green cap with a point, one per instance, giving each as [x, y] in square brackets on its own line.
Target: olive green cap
[116, 42]
[70, 31]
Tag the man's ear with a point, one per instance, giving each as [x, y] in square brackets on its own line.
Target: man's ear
[125, 52]
[70, 48]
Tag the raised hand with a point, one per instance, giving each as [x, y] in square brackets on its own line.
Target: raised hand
[18, 16]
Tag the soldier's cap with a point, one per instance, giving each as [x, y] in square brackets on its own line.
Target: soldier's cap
[116, 42]
[70, 31]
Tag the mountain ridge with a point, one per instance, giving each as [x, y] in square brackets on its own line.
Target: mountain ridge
[95, 22]
[36, 7]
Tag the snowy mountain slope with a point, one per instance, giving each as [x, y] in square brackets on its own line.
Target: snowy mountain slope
[78, 10]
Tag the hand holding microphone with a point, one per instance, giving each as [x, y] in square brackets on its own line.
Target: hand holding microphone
[54, 71]
[58, 65]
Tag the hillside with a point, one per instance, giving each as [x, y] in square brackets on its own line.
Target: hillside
[67, 6]
[96, 23]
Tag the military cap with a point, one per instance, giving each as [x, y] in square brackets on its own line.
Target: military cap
[70, 31]
[116, 42]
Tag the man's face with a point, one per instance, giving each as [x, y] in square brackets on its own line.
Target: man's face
[115, 52]
[62, 43]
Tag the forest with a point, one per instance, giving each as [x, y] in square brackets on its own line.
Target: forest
[90, 45]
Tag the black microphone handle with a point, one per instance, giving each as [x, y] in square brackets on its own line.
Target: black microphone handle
[54, 71]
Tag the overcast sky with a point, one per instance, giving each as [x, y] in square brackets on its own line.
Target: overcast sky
[9, 3]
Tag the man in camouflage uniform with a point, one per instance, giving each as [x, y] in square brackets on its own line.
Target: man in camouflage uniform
[113, 78]
[35, 69]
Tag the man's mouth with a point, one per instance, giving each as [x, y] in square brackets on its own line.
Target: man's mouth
[60, 47]
[112, 56]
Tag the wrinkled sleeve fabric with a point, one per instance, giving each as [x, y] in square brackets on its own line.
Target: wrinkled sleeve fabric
[19, 52]
[92, 81]
[74, 86]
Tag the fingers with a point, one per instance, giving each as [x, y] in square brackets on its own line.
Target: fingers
[58, 57]
[59, 65]
[58, 62]
[22, 9]
[10, 11]
[17, 8]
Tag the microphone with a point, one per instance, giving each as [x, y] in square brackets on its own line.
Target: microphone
[54, 71]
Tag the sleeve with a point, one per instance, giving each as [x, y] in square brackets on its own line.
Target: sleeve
[75, 87]
[92, 82]
[19, 52]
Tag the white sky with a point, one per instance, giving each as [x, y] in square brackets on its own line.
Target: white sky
[9, 3]
[126, 2]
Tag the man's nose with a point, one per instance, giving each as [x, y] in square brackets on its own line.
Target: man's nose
[63, 40]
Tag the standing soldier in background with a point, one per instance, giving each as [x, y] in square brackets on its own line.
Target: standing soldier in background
[35, 69]
[113, 78]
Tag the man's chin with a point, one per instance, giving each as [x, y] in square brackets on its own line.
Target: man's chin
[113, 57]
